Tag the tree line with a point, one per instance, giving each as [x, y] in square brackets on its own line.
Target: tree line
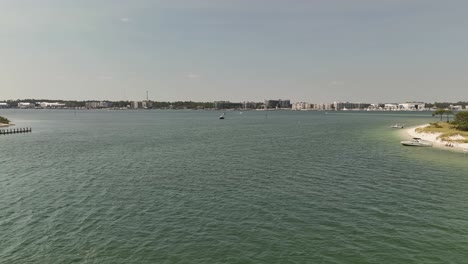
[445, 104]
[461, 118]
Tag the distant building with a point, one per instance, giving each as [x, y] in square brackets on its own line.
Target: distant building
[412, 106]
[322, 107]
[455, 107]
[105, 104]
[51, 105]
[227, 105]
[349, 106]
[26, 105]
[91, 105]
[317, 106]
[249, 105]
[4, 105]
[147, 104]
[98, 105]
[221, 104]
[277, 104]
[390, 107]
[271, 104]
[301, 106]
[135, 104]
[374, 107]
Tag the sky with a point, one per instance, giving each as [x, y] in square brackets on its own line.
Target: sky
[238, 50]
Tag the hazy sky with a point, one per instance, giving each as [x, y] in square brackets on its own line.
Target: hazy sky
[204, 50]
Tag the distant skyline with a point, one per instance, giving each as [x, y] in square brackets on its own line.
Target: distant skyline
[209, 50]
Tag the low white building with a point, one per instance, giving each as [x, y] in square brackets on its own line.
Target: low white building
[374, 107]
[412, 106]
[26, 105]
[51, 105]
[390, 107]
[97, 104]
[456, 107]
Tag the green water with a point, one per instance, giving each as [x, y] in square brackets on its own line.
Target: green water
[257, 187]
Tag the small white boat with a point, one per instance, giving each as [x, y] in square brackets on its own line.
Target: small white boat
[416, 142]
[221, 116]
[398, 126]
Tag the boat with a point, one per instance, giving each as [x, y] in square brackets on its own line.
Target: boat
[221, 116]
[398, 126]
[416, 142]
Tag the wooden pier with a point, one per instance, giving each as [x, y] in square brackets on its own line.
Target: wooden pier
[15, 131]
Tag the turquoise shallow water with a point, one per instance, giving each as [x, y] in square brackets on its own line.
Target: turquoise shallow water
[257, 187]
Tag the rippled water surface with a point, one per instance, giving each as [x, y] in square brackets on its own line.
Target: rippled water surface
[257, 187]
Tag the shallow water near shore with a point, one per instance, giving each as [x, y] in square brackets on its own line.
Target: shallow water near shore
[258, 187]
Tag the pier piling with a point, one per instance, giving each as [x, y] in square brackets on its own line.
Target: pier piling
[15, 131]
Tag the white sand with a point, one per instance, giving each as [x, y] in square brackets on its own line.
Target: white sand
[432, 137]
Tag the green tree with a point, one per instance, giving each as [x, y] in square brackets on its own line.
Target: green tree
[440, 112]
[448, 113]
[461, 121]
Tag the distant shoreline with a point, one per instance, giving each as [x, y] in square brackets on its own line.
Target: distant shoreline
[432, 137]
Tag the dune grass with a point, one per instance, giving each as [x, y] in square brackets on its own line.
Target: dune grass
[448, 132]
[4, 120]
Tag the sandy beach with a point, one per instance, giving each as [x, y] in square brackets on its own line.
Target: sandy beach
[432, 137]
[5, 125]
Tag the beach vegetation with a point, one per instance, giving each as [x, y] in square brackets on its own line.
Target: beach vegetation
[448, 132]
[4, 120]
[461, 121]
